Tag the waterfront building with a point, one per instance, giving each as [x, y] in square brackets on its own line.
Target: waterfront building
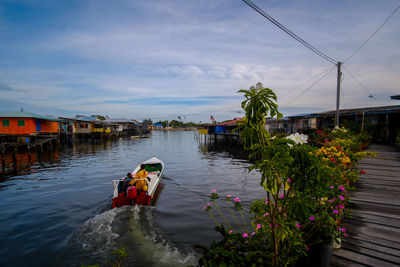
[25, 123]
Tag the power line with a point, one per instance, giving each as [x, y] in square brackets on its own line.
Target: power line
[304, 83]
[372, 35]
[293, 35]
[311, 86]
[360, 84]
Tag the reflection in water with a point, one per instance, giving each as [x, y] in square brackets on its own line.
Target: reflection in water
[24, 163]
[58, 205]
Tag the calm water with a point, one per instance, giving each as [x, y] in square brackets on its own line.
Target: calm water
[56, 211]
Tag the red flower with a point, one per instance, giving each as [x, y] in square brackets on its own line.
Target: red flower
[362, 172]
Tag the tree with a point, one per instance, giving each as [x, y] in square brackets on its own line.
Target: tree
[147, 122]
[259, 102]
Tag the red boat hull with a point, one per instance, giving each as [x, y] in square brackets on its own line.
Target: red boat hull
[140, 199]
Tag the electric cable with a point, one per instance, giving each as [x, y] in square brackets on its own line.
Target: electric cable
[372, 35]
[370, 95]
[293, 35]
[304, 83]
[311, 86]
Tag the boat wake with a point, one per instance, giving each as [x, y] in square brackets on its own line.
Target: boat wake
[131, 227]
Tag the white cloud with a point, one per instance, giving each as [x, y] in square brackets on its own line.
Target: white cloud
[116, 51]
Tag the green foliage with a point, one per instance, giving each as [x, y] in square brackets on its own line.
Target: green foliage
[175, 123]
[307, 189]
[235, 250]
[258, 104]
[122, 256]
[147, 122]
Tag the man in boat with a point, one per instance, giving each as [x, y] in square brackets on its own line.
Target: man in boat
[125, 183]
[140, 179]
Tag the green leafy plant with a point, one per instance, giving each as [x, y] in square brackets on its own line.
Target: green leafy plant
[306, 190]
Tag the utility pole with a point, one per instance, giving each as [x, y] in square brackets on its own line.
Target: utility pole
[339, 78]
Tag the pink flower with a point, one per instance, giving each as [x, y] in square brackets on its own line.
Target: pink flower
[230, 232]
[282, 195]
[341, 197]
[237, 200]
[342, 230]
[341, 206]
[313, 198]
[229, 196]
[258, 226]
[289, 180]
[276, 225]
[298, 225]
[266, 202]
[245, 235]
[342, 188]
[214, 191]
[206, 206]
[312, 218]
[253, 233]
[319, 132]
[266, 214]
[270, 225]
[331, 200]
[307, 248]
[331, 187]
[335, 211]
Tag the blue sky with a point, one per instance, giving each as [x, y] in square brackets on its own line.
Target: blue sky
[163, 59]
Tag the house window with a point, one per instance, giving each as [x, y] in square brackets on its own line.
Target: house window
[21, 123]
[6, 122]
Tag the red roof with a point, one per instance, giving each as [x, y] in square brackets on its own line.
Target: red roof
[233, 122]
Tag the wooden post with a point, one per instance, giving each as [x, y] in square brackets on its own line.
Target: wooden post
[14, 158]
[29, 153]
[387, 128]
[3, 161]
[362, 122]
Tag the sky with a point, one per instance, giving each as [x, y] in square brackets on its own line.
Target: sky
[162, 59]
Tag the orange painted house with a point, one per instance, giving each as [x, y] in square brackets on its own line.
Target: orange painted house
[15, 123]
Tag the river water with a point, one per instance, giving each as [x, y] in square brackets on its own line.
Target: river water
[56, 211]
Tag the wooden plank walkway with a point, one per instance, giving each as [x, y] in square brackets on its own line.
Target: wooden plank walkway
[374, 227]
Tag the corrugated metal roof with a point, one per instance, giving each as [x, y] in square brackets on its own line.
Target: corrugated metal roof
[118, 120]
[19, 114]
[353, 111]
[89, 118]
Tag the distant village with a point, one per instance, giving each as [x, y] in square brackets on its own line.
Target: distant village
[381, 123]
[24, 129]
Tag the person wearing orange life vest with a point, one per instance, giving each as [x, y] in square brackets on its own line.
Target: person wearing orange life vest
[140, 179]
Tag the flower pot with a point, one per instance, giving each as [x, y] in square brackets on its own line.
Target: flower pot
[336, 245]
[319, 255]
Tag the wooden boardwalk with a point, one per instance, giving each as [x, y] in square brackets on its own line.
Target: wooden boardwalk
[374, 227]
